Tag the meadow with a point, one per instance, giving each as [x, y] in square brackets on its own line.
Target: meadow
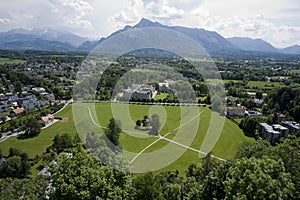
[264, 84]
[11, 61]
[186, 126]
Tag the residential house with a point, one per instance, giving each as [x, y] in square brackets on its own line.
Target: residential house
[294, 127]
[11, 97]
[140, 91]
[166, 85]
[18, 111]
[272, 132]
[236, 111]
[258, 102]
[4, 104]
[48, 97]
[252, 113]
[39, 89]
[46, 120]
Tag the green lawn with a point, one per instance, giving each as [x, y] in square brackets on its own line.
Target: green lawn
[37, 145]
[295, 71]
[161, 96]
[263, 84]
[133, 140]
[10, 61]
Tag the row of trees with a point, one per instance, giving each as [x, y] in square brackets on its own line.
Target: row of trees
[258, 171]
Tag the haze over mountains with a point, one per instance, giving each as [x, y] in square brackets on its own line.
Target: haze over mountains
[52, 40]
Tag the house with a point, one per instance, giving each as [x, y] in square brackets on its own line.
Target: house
[236, 111]
[27, 100]
[272, 132]
[139, 91]
[11, 97]
[258, 102]
[252, 113]
[38, 89]
[11, 88]
[18, 110]
[26, 103]
[46, 120]
[166, 85]
[294, 127]
[4, 104]
[47, 96]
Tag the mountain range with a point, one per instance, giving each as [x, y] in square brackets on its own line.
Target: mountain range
[51, 40]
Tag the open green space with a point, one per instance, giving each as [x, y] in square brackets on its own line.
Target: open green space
[295, 71]
[161, 96]
[134, 140]
[10, 61]
[37, 145]
[265, 85]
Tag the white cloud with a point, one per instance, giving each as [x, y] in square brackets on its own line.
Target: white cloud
[72, 12]
[277, 21]
[159, 10]
[6, 21]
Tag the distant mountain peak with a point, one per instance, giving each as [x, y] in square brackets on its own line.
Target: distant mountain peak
[147, 23]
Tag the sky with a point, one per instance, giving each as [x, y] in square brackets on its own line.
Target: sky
[276, 21]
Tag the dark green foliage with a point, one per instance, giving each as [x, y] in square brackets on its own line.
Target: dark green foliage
[62, 142]
[147, 187]
[249, 125]
[113, 131]
[16, 165]
[84, 177]
[138, 123]
[258, 179]
[285, 100]
[32, 127]
[29, 189]
[248, 149]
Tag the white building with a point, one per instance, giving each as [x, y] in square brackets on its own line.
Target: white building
[272, 132]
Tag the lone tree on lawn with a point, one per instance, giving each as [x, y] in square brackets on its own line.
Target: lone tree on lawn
[155, 124]
[113, 131]
[32, 127]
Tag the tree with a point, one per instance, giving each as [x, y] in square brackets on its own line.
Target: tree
[113, 131]
[23, 188]
[82, 176]
[12, 167]
[258, 179]
[249, 126]
[145, 120]
[13, 152]
[249, 149]
[155, 124]
[288, 152]
[62, 142]
[259, 95]
[147, 187]
[138, 123]
[32, 127]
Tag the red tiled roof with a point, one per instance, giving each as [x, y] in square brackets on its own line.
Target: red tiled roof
[18, 110]
[47, 118]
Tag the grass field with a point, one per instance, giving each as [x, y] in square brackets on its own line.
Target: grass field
[265, 85]
[37, 145]
[161, 96]
[134, 141]
[10, 61]
[295, 71]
